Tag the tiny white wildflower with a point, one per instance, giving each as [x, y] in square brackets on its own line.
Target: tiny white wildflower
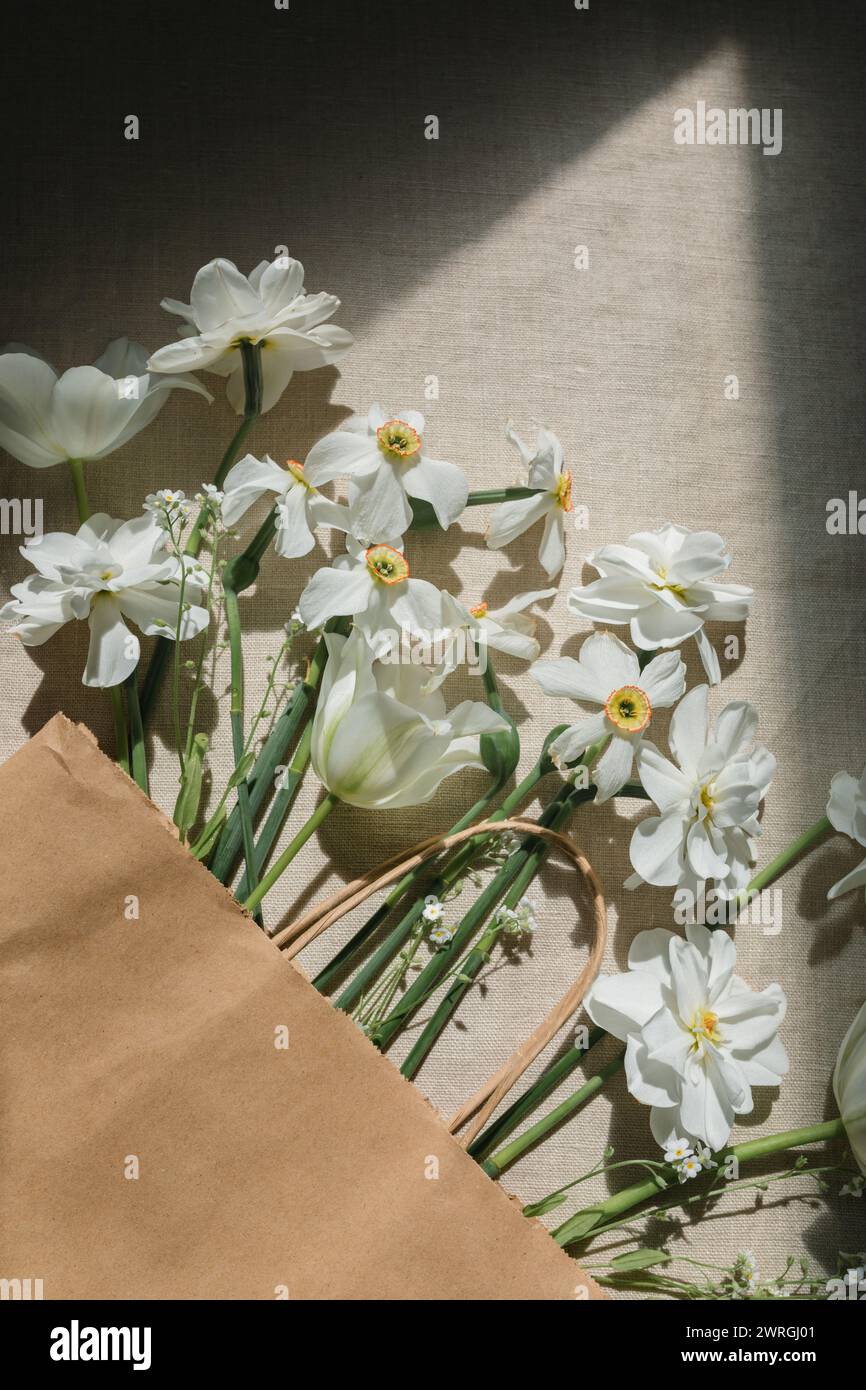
[433, 910]
[689, 1168]
[440, 936]
[677, 1149]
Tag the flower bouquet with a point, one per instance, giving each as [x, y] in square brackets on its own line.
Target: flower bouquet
[369, 715]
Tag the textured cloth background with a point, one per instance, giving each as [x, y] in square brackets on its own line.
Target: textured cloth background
[455, 258]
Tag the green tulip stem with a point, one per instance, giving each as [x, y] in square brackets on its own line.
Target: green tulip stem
[321, 813]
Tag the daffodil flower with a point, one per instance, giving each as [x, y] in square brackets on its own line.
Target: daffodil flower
[270, 307]
[108, 571]
[709, 800]
[846, 811]
[659, 583]
[552, 503]
[697, 1037]
[466, 632]
[608, 673]
[378, 741]
[300, 507]
[384, 457]
[86, 413]
[373, 585]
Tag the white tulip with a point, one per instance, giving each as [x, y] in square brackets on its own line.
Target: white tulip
[709, 800]
[846, 811]
[658, 582]
[697, 1037]
[608, 673]
[300, 507]
[373, 585]
[378, 741]
[270, 307]
[87, 412]
[109, 570]
[384, 457]
[849, 1086]
[552, 482]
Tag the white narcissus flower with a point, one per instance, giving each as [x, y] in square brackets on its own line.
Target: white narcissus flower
[377, 741]
[552, 483]
[608, 673]
[270, 307]
[384, 457]
[86, 413]
[372, 584]
[300, 507]
[697, 1037]
[709, 800]
[846, 812]
[849, 1086]
[658, 582]
[466, 632]
[109, 570]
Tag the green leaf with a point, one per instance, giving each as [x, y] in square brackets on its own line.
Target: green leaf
[423, 515]
[242, 768]
[556, 1199]
[209, 835]
[579, 1226]
[640, 1259]
[189, 796]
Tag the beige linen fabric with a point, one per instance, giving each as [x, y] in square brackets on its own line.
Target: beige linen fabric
[455, 260]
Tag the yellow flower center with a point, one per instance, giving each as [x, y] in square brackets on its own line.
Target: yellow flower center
[297, 471]
[396, 437]
[629, 709]
[671, 588]
[386, 564]
[705, 1028]
[562, 491]
[707, 799]
[479, 611]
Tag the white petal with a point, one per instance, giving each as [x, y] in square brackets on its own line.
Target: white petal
[650, 951]
[333, 592]
[661, 779]
[511, 519]
[248, 480]
[656, 848]
[551, 550]
[842, 805]
[736, 727]
[155, 611]
[443, 485]
[577, 680]
[577, 738]
[379, 505]
[855, 879]
[114, 650]
[661, 625]
[221, 293]
[341, 454]
[688, 732]
[709, 657]
[26, 389]
[622, 1004]
[293, 536]
[663, 679]
[612, 770]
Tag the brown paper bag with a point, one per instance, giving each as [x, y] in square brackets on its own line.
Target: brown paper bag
[159, 1140]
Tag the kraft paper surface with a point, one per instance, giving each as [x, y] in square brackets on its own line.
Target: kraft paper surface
[184, 1115]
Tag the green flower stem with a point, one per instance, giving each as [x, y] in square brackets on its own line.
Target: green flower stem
[777, 866]
[251, 355]
[115, 694]
[79, 487]
[322, 811]
[233, 622]
[121, 731]
[550, 1078]
[469, 968]
[487, 496]
[487, 900]
[448, 876]
[136, 734]
[584, 1223]
[498, 1162]
[281, 804]
[498, 1129]
[262, 776]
